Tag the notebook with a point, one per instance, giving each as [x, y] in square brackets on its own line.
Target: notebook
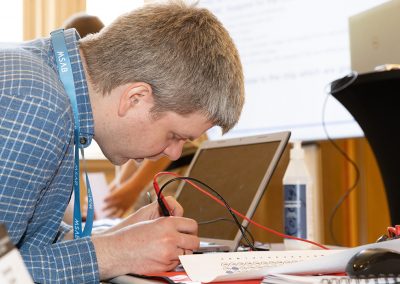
[374, 37]
[239, 169]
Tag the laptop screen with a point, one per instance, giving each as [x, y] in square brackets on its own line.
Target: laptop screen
[239, 170]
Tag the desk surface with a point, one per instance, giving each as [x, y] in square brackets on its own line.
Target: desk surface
[176, 276]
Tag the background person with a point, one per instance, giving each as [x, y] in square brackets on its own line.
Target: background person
[84, 24]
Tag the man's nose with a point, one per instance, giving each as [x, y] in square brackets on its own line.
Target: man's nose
[174, 151]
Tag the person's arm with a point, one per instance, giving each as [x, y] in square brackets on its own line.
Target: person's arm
[144, 243]
[126, 172]
[119, 201]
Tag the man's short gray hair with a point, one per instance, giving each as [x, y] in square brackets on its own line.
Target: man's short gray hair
[182, 51]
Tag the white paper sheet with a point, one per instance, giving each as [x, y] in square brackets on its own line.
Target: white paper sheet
[209, 267]
[222, 266]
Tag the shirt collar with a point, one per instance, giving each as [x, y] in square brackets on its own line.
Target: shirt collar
[81, 88]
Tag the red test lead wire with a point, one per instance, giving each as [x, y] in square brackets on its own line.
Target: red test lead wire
[162, 200]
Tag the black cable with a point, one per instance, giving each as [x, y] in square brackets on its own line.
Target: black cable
[352, 77]
[164, 279]
[241, 228]
[228, 220]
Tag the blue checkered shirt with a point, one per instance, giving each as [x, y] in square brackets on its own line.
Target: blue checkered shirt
[36, 159]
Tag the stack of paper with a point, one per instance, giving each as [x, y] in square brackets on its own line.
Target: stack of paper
[324, 279]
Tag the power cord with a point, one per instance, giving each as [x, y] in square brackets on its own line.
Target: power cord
[351, 79]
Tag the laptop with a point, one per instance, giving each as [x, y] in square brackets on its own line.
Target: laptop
[239, 169]
[375, 38]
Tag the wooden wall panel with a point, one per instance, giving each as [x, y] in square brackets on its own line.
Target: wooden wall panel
[43, 16]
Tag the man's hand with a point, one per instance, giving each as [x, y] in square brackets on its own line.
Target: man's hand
[146, 247]
[145, 242]
[153, 210]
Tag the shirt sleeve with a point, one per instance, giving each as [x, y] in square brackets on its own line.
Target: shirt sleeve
[65, 262]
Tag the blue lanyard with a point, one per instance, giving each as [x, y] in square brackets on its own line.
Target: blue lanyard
[66, 77]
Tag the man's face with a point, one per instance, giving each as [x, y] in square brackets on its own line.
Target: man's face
[153, 138]
[126, 129]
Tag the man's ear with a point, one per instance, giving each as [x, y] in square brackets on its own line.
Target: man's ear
[134, 95]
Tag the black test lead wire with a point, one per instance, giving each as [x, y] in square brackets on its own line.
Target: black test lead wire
[216, 194]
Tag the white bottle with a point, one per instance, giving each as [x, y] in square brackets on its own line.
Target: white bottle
[297, 200]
